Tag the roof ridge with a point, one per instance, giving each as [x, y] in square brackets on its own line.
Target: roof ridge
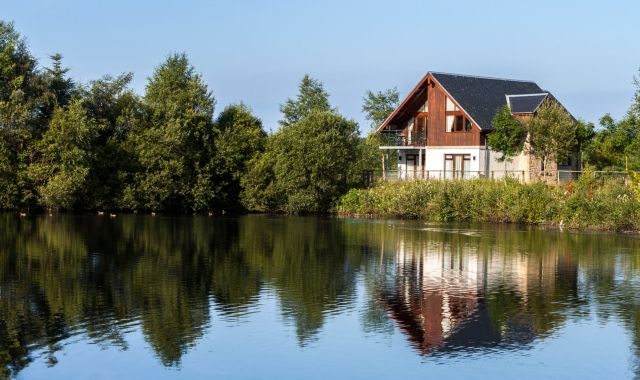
[481, 77]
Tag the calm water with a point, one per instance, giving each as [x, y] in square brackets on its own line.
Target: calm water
[291, 297]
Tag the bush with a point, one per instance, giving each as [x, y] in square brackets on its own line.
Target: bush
[581, 205]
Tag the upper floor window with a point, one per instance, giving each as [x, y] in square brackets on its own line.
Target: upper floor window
[455, 119]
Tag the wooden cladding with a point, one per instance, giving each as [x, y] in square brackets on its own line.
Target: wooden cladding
[445, 123]
[469, 134]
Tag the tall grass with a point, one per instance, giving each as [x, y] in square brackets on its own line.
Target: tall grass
[583, 204]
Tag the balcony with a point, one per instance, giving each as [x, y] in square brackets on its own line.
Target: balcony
[414, 139]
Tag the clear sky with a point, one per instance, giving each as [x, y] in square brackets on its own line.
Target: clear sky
[585, 52]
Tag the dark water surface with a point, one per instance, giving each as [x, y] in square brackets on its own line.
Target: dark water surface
[299, 297]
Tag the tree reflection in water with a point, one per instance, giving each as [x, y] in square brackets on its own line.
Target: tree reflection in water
[447, 290]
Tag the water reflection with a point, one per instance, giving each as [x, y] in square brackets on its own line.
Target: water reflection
[454, 290]
[448, 291]
[100, 278]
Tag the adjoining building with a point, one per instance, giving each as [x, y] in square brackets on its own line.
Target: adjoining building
[440, 130]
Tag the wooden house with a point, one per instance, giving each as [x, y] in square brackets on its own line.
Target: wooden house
[440, 130]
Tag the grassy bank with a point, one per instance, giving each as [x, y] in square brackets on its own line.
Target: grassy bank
[582, 204]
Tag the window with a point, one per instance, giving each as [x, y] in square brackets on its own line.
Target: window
[456, 166]
[455, 119]
[421, 124]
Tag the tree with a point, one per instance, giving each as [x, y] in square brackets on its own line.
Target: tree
[311, 96]
[239, 137]
[22, 97]
[314, 161]
[61, 86]
[378, 106]
[617, 142]
[174, 143]
[117, 110]
[307, 164]
[507, 135]
[551, 133]
[585, 132]
[63, 158]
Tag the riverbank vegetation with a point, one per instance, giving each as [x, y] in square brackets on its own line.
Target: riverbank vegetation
[584, 204]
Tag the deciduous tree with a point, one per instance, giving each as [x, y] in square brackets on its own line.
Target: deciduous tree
[378, 106]
[63, 157]
[239, 137]
[22, 97]
[174, 145]
[551, 133]
[507, 136]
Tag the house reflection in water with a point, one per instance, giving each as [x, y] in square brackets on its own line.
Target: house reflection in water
[449, 296]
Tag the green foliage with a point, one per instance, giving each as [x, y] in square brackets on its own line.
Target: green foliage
[61, 87]
[378, 106]
[116, 109]
[635, 181]
[174, 144]
[308, 164]
[239, 138]
[259, 187]
[585, 132]
[552, 133]
[63, 157]
[615, 144]
[23, 93]
[311, 96]
[507, 136]
[608, 205]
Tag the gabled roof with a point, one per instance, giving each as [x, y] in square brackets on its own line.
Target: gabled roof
[480, 97]
[526, 103]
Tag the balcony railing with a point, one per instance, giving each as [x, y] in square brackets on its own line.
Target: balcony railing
[396, 139]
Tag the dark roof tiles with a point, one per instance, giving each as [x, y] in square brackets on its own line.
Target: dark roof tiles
[481, 97]
[528, 103]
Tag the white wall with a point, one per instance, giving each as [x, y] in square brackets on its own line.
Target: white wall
[434, 161]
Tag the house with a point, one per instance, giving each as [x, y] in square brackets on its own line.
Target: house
[440, 130]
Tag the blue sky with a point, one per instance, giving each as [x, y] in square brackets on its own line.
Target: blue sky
[585, 52]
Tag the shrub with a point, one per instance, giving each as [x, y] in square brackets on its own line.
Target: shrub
[580, 205]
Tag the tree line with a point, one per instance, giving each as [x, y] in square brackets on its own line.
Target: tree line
[66, 145]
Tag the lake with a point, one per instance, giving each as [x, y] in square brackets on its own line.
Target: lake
[272, 297]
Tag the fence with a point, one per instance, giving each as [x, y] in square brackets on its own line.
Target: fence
[523, 176]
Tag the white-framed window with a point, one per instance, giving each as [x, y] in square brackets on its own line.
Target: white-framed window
[457, 166]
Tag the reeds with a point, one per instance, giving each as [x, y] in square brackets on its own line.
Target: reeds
[582, 204]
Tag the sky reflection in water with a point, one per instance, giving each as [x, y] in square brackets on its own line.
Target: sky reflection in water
[276, 297]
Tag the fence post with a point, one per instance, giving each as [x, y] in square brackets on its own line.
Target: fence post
[558, 177]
